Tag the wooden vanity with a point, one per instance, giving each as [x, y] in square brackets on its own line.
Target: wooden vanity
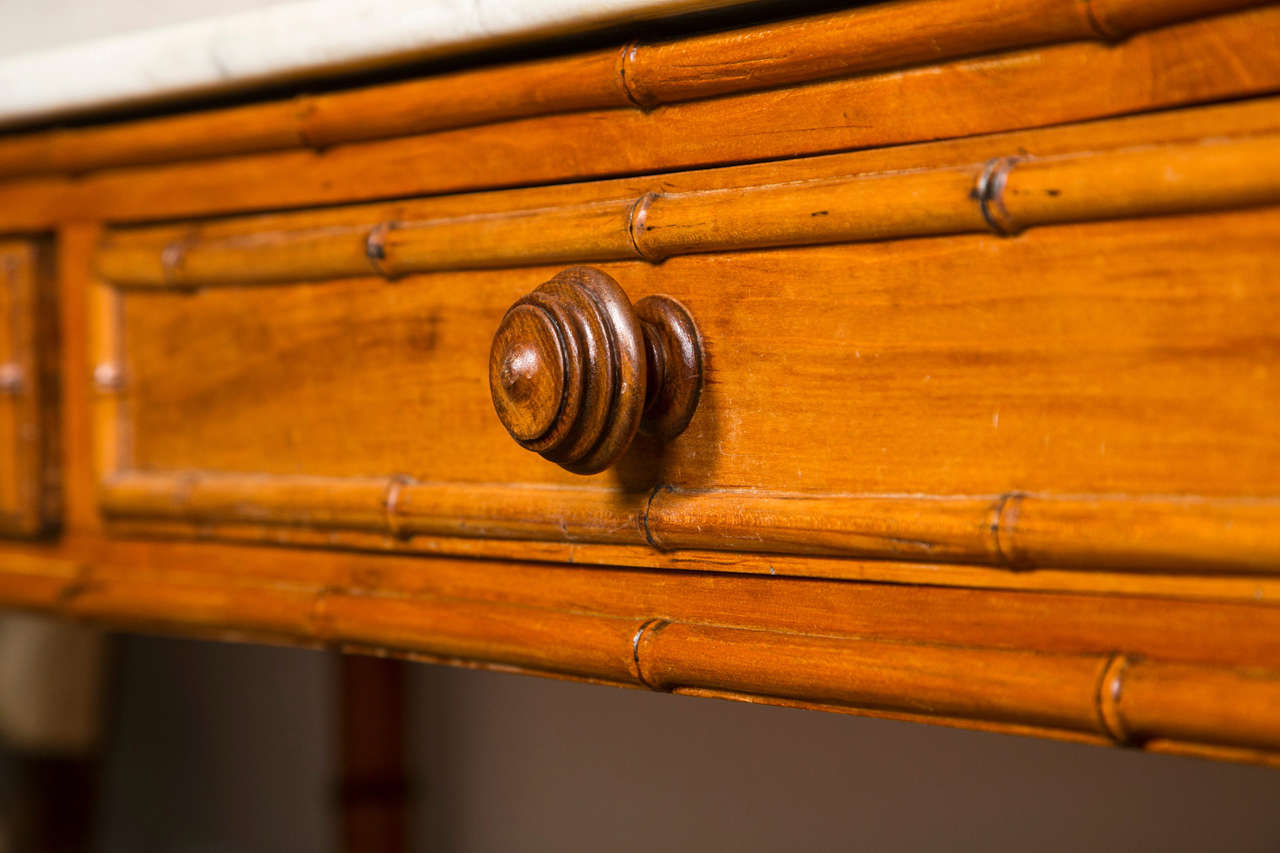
[918, 359]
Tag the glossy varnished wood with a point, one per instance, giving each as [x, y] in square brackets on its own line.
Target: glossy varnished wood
[986, 316]
[1117, 670]
[1194, 62]
[950, 387]
[29, 462]
[997, 184]
[887, 35]
[574, 367]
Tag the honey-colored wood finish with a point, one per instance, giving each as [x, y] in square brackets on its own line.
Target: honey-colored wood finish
[28, 390]
[983, 433]
[969, 459]
[857, 41]
[1190, 63]
[1006, 661]
[791, 206]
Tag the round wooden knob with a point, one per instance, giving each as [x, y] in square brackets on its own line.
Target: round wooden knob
[575, 370]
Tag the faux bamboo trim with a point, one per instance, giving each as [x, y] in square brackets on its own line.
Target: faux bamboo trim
[1045, 690]
[1172, 67]
[1119, 698]
[876, 38]
[1216, 585]
[1014, 531]
[1006, 195]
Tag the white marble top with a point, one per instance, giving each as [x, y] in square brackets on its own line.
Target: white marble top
[284, 41]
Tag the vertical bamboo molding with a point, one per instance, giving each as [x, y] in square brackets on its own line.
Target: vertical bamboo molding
[1004, 195]
[871, 38]
[107, 375]
[23, 453]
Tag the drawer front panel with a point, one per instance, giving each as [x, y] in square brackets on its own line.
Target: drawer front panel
[1094, 394]
[27, 472]
[1067, 360]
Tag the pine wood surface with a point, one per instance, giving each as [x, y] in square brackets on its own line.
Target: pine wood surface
[1189, 63]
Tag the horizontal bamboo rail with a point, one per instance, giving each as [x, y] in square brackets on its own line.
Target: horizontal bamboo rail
[1004, 196]
[875, 38]
[1018, 531]
[1191, 63]
[1115, 697]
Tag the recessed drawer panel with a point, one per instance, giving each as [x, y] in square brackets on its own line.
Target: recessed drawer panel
[911, 387]
[1052, 349]
[1122, 357]
[27, 436]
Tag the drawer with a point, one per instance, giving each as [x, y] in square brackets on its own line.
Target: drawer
[1053, 349]
[28, 476]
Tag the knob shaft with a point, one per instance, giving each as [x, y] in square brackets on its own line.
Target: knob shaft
[575, 370]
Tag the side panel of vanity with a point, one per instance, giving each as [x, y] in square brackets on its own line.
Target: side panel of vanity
[28, 391]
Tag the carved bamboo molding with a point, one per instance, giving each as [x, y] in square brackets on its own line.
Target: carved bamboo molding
[1202, 707]
[1004, 195]
[637, 76]
[1014, 531]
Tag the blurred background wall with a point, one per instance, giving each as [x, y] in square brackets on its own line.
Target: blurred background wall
[231, 748]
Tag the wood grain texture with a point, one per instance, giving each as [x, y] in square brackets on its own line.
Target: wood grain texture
[1003, 194]
[594, 348]
[1214, 633]
[988, 308]
[1013, 531]
[575, 370]
[321, 232]
[857, 41]
[1190, 63]
[883, 36]
[1190, 583]
[1189, 676]
[1001, 420]
[29, 459]
[86, 320]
